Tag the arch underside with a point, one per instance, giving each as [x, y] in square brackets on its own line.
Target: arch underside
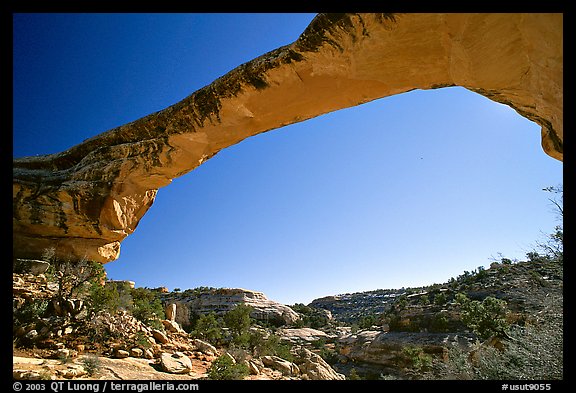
[84, 201]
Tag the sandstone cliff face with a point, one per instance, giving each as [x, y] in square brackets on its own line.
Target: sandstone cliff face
[387, 349]
[223, 300]
[86, 200]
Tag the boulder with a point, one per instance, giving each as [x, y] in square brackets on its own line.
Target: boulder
[170, 310]
[26, 374]
[172, 326]
[284, 366]
[31, 335]
[73, 371]
[62, 353]
[386, 348]
[160, 336]
[121, 354]
[313, 367]
[175, 363]
[205, 347]
[303, 335]
[32, 266]
[253, 366]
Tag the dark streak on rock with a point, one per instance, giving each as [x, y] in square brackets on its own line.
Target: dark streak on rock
[442, 85]
[316, 34]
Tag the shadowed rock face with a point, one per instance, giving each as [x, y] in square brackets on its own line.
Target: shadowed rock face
[86, 200]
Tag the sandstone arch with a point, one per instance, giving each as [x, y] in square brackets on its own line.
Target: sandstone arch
[86, 200]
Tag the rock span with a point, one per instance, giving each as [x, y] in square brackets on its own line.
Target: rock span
[84, 201]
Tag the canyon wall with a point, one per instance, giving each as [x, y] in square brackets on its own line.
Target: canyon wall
[222, 300]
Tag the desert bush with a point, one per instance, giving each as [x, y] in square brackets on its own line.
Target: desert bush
[553, 246]
[262, 344]
[92, 364]
[224, 368]
[485, 318]
[416, 359]
[367, 321]
[141, 340]
[440, 299]
[329, 355]
[74, 278]
[440, 323]
[238, 319]
[238, 322]
[208, 328]
[530, 353]
[147, 306]
[310, 317]
[353, 376]
[103, 298]
[31, 311]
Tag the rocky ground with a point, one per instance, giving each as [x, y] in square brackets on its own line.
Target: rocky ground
[118, 346]
[27, 367]
[407, 325]
[374, 334]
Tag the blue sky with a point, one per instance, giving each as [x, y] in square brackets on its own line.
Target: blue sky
[406, 191]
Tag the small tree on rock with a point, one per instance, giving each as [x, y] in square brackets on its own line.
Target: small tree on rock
[486, 318]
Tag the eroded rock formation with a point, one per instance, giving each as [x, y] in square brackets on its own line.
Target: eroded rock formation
[86, 200]
[222, 300]
[386, 348]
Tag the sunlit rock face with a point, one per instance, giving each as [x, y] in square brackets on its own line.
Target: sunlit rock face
[222, 300]
[84, 201]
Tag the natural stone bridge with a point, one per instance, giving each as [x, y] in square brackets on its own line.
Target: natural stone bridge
[86, 200]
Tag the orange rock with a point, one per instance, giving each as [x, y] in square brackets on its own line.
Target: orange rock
[94, 194]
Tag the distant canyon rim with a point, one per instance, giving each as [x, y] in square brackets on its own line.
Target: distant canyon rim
[84, 201]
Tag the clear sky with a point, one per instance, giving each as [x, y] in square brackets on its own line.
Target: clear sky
[404, 191]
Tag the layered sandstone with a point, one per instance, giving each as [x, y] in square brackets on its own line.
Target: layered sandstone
[84, 201]
[221, 300]
[388, 348]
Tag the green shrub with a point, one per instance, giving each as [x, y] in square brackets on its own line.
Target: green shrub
[401, 303]
[424, 300]
[532, 353]
[269, 346]
[92, 364]
[74, 278]
[147, 306]
[238, 319]
[103, 298]
[208, 328]
[329, 355]
[485, 318]
[223, 368]
[278, 348]
[440, 323]
[416, 359]
[238, 322]
[353, 376]
[31, 311]
[141, 340]
[319, 343]
[310, 317]
[440, 299]
[367, 321]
